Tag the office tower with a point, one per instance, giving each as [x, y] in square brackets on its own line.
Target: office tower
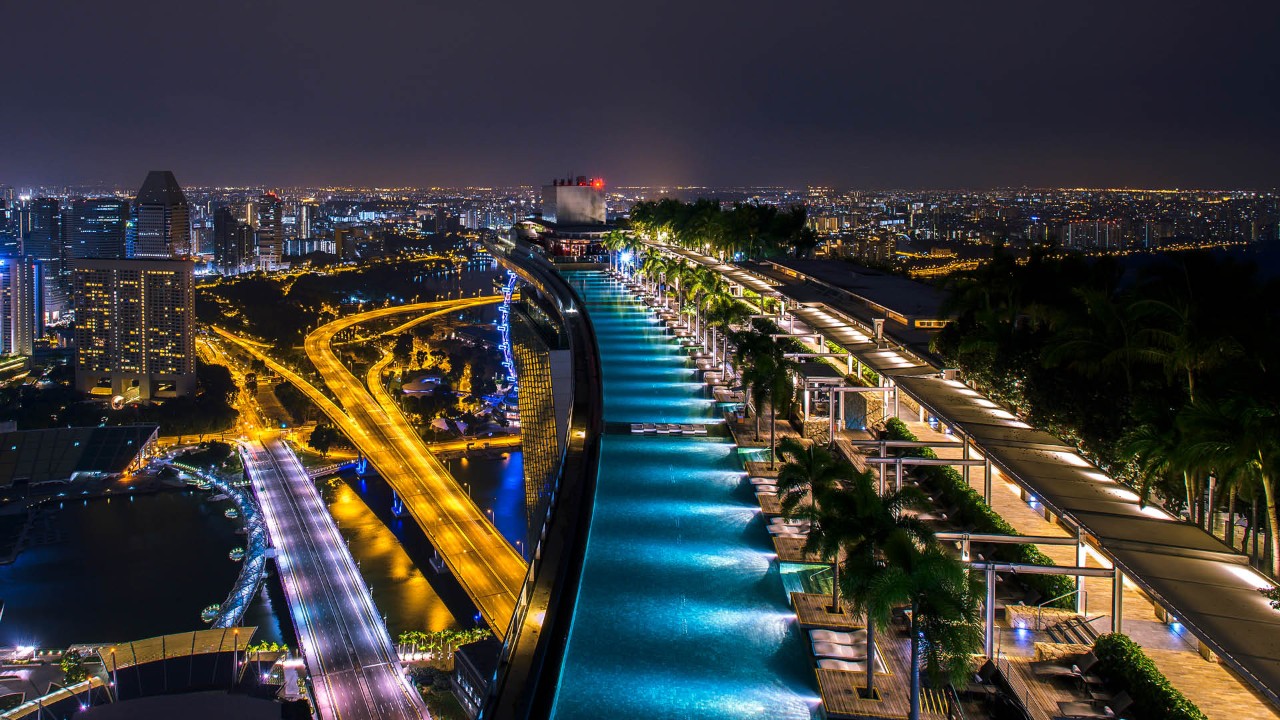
[270, 231]
[43, 240]
[10, 238]
[162, 228]
[135, 327]
[21, 319]
[306, 220]
[574, 202]
[232, 242]
[97, 228]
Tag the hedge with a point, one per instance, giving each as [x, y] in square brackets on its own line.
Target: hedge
[973, 511]
[1123, 663]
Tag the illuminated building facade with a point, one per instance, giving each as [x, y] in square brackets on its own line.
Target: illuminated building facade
[162, 227]
[270, 231]
[135, 328]
[543, 367]
[97, 228]
[232, 242]
[20, 305]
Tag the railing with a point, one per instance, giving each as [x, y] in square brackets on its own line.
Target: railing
[525, 681]
[1084, 604]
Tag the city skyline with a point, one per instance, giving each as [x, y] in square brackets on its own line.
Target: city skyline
[850, 96]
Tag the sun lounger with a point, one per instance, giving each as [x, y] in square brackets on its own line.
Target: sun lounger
[789, 531]
[845, 665]
[839, 638]
[839, 652]
[763, 481]
[1098, 709]
[650, 428]
[771, 489]
[662, 429]
[637, 427]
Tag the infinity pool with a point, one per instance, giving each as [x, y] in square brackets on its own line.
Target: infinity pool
[681, 612]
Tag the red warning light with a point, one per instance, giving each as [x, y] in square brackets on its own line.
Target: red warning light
[597, 183]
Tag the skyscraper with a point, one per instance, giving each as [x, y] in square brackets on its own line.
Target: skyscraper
[135, 327]
[162, 228]
[97, 228]
[20, 301]
[232, 242]
[270, 231]
[43, 241]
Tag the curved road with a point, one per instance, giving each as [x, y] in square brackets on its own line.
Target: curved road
[484, 563]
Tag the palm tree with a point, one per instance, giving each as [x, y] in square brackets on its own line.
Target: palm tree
[616, 242]
[944, 600]
[775, 370]
[725, 312]
[809, 471]
[1242, 432]
[750, 354]
[872, 520]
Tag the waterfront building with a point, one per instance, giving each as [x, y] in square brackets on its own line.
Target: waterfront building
[135, 328]
[162, 226]
[21, 320]
[64, 455]
[97, 228]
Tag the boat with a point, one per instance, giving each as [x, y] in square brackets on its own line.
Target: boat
[231, 513]
[237, 554]
[210, 613]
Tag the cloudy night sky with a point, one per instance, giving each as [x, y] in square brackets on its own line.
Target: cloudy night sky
[914, 94]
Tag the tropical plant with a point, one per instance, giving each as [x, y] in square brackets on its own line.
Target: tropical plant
[944, 601]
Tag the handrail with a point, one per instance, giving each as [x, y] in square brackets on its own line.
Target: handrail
[529, 663]
[1084, 599]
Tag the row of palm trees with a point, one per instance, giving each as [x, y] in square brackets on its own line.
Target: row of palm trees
[720, 321]
[1158, 370]
[742, 229]
[883, 558]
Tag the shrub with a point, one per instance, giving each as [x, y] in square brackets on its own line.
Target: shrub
[1123, 663]
[972, 510]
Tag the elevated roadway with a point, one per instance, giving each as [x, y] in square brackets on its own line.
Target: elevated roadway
[488, 568]
[484, 563]
[354, 669]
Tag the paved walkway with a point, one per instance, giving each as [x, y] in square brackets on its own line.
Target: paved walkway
[1210, 685]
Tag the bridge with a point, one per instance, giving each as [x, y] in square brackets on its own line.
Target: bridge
[354, 669]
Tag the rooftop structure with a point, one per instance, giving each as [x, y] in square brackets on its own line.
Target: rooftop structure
[62, 455]
[163, 227]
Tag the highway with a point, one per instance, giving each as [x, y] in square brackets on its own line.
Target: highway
[354, 670]
[484, 563]
[488, 568]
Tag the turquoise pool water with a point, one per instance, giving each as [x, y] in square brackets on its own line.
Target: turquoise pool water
[681, 611]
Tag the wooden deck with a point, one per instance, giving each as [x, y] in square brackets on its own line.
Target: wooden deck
[1039, 696]
[791, 549]
[812, 611]
[842, 701]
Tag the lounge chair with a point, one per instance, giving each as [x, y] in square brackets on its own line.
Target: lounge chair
[1075, 669]
[637, 428]
[839, 638]
[840, 652]
[650, 428]
[845, 665]
[785, 530]
[981, 684]
[1097, 709]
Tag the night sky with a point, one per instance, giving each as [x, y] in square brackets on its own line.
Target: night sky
[906, 94]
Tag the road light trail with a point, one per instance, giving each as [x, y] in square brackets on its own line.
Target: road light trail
[355, 672]
[488, 568]
[485, 564]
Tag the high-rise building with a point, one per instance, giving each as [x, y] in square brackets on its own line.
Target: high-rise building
[135, 327]
[578, 201]
[270, 231]
[306, 220]
[43, 240]
[232, 242]
[21, 317]
[162, 225]
[97, 228]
